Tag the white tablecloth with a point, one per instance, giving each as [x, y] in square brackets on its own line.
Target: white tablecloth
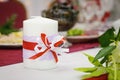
[64, 71]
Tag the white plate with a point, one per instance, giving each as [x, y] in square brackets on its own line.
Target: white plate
[63, 71]
[86, 38]
[10, 45]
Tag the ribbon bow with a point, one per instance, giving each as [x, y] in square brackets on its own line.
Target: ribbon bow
[41, 48]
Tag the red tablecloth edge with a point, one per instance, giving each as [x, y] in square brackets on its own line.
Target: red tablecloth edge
[83, 46]
[12, 56]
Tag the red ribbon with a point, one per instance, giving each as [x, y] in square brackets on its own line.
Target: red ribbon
[32, 45]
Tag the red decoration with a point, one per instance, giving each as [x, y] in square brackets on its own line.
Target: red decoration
[33, 45]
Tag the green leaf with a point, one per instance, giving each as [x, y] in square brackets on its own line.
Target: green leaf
[96, 73]
[74, 32]
[104, 59]
[111, 70]
[8, 26]
[88, 69]
[95, 63]
[118, 75]
[118, 36]
[104, 52]
[111, 74]
[107, 38]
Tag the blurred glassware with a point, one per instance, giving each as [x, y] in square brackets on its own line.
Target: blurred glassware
[95, 12]
[63, 11]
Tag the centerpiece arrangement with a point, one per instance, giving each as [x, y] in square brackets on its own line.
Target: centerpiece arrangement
[107, 61]
[41, 43]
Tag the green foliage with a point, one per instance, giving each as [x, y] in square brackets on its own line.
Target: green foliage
[109, 54]
[74, 32]
[104, 53]
[99, 71]
[91, 59]
[7, 28]
[107, 38]
[118, 36]
[87, 69]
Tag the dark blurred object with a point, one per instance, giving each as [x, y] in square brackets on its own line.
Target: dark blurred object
[10, 7]
[63, 12]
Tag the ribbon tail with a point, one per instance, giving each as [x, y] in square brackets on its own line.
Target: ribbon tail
[55, 56]
[44, 39]
[61, 50]
[29, 45]
[38, 54]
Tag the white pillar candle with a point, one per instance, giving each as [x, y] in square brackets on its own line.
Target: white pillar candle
[32, 28]
[37, 25]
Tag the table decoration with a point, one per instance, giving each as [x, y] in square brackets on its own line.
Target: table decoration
[106, 62]
[41, 43]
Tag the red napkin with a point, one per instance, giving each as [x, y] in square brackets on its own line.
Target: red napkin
[10, 56]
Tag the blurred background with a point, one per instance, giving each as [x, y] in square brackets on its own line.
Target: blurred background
[35, 7]
[87, 11]
[67, 12]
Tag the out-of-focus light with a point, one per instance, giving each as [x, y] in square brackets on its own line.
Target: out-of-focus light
[3, 0]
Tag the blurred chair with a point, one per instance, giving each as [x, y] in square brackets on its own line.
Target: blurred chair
[10, 7]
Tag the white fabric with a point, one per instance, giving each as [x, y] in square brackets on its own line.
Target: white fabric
[63, 71]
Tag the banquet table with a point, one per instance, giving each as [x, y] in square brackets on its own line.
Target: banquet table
[63, 71]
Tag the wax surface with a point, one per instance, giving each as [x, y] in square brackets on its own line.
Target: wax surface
[37, 25]
[32, 29]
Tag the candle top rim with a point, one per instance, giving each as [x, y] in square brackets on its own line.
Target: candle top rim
[40, 19]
